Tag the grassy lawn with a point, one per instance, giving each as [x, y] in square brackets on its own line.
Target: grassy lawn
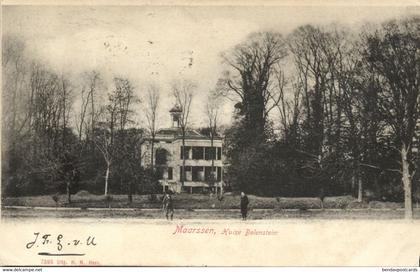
[196, 201]
[363, 214]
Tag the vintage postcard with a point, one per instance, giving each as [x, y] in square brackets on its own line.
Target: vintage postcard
[226, 133]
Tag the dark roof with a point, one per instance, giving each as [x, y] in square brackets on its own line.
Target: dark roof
[176, 133]
[167, 131]
[176, 108]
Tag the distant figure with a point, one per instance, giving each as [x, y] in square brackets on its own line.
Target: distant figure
[244, 205]
[168, 206]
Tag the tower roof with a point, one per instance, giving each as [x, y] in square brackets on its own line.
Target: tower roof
[176, 108]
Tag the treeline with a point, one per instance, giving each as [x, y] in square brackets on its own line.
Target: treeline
[62, 134]
[322, 111]
[345, 107]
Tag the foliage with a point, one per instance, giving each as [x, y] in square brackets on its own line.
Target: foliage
[323, 111]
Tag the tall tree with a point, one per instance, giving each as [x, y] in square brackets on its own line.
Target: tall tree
[102, 139]
[394, 53]
[152, 106]
[92, 85]
[306, 45]
[68, 168]
[110, 136]
[15, 115]
[125, 100]
[289, 109]
[183, 93]
[319, 54]
[251, 79]
[212, 112]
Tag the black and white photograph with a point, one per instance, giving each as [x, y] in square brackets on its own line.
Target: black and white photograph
[253, 128]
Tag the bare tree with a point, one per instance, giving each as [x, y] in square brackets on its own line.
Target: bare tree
[212, 112]
[124, 99]
[15, 113]
[81, 118]
[345, 97]
[92, 90]
[288, 106]
[152, 106]
[305, 43]
[251, 77]
[103, 142]
[88, 113]
[110, 136]
[104, 135]
[183, 93]
[66, 98]
[320, 57]
[394, 53]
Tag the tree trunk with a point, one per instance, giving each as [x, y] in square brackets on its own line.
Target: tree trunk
[152, 153]
[407, 184]
[360, 190]
[359, 183]
[64, 114]
[212, 175]
[92, 117]
[68, 191]
[221, 182]
[130, 191]
[183, 158]
[106, 178]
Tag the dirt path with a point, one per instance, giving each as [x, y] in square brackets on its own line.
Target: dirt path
[232, 214]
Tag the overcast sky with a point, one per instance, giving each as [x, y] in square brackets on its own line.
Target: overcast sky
[161, 44]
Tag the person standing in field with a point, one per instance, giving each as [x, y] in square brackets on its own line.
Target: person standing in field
[244, 205]
[168, 206]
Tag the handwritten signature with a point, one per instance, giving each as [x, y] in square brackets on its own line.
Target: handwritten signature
[59, 242]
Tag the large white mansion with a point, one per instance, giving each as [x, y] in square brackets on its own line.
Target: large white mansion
[200, 154]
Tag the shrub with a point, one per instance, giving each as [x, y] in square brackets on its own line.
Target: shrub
[56, 198]
[108, 200]
[82, 193]
[153, 198]
[338, 202]
[385, 205]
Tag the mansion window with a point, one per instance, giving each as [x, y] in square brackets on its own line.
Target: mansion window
[187, 172]
[185, 153]
[197, 173]
[201, 173]
[164, 173]
[159, 172]
[170, 173]
[210, 153]
[161, 156]
[197, 153]
[201, 153]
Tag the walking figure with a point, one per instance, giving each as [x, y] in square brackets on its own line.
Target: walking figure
[244, 205]
[168, 206]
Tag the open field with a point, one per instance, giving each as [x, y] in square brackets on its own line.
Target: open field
[195, 201]
[231, 214]
[197, 206]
